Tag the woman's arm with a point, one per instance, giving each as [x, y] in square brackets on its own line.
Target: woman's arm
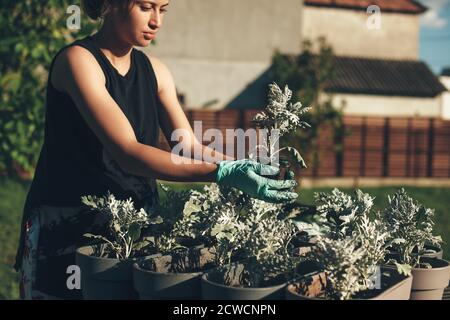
[77, 73]
[172, 117]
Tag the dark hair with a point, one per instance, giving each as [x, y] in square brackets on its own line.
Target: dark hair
[96, 9]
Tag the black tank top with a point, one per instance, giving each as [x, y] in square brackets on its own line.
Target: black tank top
[73, 162]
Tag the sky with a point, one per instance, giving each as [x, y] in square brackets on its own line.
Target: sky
[435, 34]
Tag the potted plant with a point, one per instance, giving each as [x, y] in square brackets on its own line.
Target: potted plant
[215, 215]
[175, 274]
[349, 253]
[252, 254]
[221, 216]
[106, 266]
[279, 118]
[345, 273]
[410, 225]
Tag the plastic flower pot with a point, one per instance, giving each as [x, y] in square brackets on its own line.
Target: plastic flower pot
[394, 286]
[214, 289]
[105, 278]
[160, 278]
[430, 283]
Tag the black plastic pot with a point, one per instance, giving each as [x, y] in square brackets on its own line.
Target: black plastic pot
[394, 287]
[105, 278]
[214, 290]
[153, 278]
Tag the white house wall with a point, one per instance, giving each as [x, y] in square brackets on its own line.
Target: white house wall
[385, 106]
[346, 30]
[213, 83]
[445, 80]
[214, 48]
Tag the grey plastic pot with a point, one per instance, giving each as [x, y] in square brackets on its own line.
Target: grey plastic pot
[105, 278]
[154, 284]
[429, 284]
[396, 287]
[212, 290]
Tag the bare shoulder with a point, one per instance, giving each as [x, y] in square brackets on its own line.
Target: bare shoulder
[162, 72]
[156, 62]
[75, 63]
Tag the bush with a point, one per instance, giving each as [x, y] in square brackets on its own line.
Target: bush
[31, 33]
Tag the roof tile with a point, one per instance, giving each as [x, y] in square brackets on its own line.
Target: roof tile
[405, 6]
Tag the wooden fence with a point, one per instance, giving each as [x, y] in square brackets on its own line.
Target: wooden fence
[375, 146]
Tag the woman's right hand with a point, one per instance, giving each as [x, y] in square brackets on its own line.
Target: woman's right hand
[246, 175]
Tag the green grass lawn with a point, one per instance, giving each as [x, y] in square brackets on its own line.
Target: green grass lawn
[13, 193]
[12, 198]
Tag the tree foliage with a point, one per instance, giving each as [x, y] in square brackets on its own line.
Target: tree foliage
[31, 33]
[307, 75]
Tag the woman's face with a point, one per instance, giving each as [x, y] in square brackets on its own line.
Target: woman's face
[144, 20]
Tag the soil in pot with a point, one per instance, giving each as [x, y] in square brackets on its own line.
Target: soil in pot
[105, 278]
[430, 252]
[433, 252]
[175, 276]
[394, 286]
[430, 279]
[225, 284]
[302, 245]
[191, 243]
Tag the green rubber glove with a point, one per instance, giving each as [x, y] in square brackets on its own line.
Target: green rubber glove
[245, 175]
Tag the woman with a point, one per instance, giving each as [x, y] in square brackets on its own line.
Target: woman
[105, 104]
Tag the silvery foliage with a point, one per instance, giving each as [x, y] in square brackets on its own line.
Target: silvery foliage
[124, 224]
[279, 118]
[265, 241]
[340, 213]
[312, 229]
[242, 228]
[410, 225]
[345, 221]
[203, 208]
[165, 236]
[339, 258]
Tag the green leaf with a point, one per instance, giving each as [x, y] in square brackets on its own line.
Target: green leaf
[403, 269]
[297, 156]
[89, 201]
[141, 245]
[134, 231]
[156, 220]
[94, 236]
[11, 81]
[116, 226]
[216, 229]
[190, 207]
